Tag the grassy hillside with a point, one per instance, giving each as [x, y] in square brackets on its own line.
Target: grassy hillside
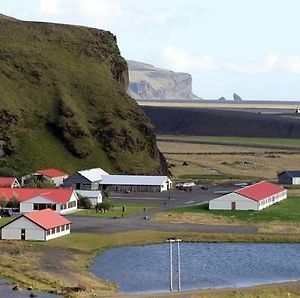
[63, 102]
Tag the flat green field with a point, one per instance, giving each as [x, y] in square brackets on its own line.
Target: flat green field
[116, 211]
[287, 210]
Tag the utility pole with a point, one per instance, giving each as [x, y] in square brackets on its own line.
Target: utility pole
[171, 241]
[178, 262]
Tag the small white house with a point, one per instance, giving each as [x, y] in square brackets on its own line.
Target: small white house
[55, 176]
[289, 177]
[40, 225]
[253, 197]
[94, 196]
[33, 199]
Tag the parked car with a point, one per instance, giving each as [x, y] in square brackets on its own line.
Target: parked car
[6, 212]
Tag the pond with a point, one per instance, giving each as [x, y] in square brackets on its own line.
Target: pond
[203, 265]
[6, 291]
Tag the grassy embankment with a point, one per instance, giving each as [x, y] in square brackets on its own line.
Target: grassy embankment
[228, 159]
[50, 266]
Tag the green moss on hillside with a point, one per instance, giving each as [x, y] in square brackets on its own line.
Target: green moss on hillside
[63, 102]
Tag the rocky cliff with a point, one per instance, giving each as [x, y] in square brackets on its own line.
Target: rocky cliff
[63, 102]
[149, 82]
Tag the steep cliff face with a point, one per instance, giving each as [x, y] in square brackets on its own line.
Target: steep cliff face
[149, 82]
[63, 102]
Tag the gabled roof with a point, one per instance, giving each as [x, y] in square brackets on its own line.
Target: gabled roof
[133, 180]
[93, 175]
[55, 195]
[259, 191]
[52, 173]
[47, 218]
[293, 173]
[7, 181]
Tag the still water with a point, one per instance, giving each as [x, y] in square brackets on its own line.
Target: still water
[203, 265]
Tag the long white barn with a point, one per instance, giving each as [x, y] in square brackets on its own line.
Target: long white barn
[254, 197]
[135, 183]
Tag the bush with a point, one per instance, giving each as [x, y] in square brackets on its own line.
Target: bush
[84, 203]
[104, 206]
[38, 183]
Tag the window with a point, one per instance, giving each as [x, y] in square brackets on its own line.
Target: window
[72, 204]
[62, 228]
[41, 206]
[53, 231]
[48, 232]
[67, 226]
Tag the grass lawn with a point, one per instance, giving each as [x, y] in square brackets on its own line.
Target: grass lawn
[116, 210]
[4, 220]
[287, 210]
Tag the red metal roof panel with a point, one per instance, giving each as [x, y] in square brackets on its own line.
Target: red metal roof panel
[259, 191]
[47, 218]
[52, 173]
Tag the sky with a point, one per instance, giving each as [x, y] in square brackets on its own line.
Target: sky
[249, 47]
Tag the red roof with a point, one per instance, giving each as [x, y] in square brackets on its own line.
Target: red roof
[47, 218]
[7, 181]
[52, 173]
[56, 195]
[259, 191]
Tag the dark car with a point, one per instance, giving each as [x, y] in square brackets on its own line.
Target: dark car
[5, 212]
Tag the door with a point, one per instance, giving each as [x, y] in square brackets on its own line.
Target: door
[23, 234]
[233, 206]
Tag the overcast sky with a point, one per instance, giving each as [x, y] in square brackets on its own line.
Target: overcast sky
[250, 47]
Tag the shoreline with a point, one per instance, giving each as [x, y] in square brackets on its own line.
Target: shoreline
[218, 291]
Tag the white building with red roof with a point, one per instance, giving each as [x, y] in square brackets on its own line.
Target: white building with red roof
[33, 199]
[41, 225]
[11, 182]
[253, 197]
[54, 175]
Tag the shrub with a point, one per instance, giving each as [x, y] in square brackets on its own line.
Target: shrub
[84, 203]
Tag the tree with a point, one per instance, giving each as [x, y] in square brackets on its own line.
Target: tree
[13, 203]
[104, 206]
[3, 202]
[84, 203]
[34, 182]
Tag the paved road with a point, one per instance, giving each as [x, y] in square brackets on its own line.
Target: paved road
[105, 225]
[138, 221]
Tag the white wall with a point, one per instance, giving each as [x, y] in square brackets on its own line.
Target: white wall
[27, 206]
[74, 198]
[272, 200]
[32, 231]
[94, 196]
[224, 202]
[57, 180]
[59, 234]
[296, 180]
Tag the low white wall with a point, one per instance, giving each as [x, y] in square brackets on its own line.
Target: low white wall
[56, 235]
[224, 203]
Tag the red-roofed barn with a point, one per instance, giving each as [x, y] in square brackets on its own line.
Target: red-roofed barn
[60, 200]
[40, 225]
[253, 197]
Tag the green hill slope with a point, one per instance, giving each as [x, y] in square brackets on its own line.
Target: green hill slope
[63, 102]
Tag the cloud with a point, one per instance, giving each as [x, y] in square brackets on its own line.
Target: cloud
[181, 60]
